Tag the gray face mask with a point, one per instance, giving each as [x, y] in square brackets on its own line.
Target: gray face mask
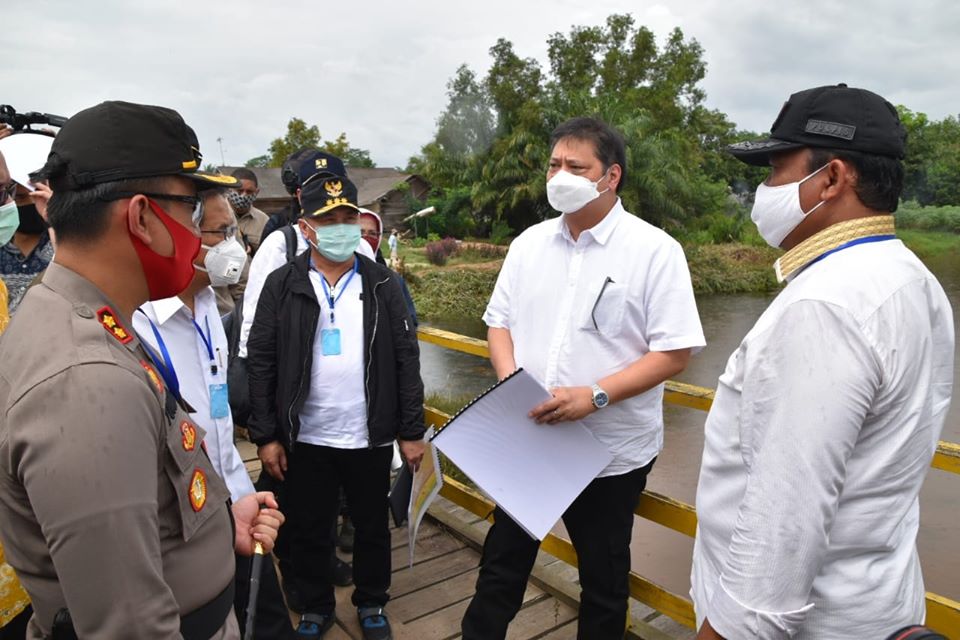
[240, 202]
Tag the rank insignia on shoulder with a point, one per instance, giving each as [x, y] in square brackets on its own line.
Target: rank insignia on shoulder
[198, 490]
[152, 374]
[189, 433]
[108, 318]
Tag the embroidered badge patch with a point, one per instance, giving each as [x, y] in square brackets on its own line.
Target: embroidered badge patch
[152, 374]
[189, 433]
[108, 318]
[198, 490]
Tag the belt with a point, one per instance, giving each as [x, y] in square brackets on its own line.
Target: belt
[202, 623]
[199, 624]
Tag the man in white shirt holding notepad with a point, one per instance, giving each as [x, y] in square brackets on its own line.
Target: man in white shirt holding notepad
[597, 305]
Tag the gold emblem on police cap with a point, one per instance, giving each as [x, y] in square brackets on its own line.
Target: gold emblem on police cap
[333, 187]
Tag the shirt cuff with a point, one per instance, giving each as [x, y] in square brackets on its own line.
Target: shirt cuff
[495, 320]
[733, 619]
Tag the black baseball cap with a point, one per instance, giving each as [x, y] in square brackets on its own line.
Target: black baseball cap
[118, 140]
[319, 163]
[324, 193]
[832, 117]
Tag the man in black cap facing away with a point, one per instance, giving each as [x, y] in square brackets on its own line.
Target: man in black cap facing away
[110, 511]
[334, 373]
[828, 414]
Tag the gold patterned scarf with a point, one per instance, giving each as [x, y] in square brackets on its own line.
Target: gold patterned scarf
[831, 239]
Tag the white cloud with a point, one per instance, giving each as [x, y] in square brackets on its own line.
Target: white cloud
[378, 70]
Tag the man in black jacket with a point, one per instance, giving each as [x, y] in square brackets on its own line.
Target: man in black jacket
[334, 374]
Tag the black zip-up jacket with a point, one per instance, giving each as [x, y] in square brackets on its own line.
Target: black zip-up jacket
[280, 355]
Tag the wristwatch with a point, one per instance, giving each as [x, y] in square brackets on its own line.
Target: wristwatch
[600, 397]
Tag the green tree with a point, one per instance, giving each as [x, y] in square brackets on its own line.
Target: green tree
[677, 169]
[259, 161]
[300, 135]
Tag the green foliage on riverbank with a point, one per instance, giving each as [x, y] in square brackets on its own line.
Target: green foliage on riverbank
[929, 245]
[911, 215]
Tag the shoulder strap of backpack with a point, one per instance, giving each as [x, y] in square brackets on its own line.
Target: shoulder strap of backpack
[290, 235]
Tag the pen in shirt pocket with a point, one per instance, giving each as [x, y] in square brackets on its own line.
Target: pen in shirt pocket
[593, 311]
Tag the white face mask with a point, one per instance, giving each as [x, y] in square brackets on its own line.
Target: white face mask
[224, 262]
[777, 210]
[568, 193]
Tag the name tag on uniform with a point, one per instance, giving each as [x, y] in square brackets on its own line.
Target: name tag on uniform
[330, 342]
[219, 401]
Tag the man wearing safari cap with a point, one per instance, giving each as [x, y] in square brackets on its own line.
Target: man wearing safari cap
[110, 510]
[829, 412]
[334, 373]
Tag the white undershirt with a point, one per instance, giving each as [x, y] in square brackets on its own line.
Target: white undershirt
[335, 411]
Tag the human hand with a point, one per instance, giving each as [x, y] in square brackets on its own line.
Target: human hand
[567, 404]
[254, 524]
[274, 459]
[5, 130]
[412, 451]
[41, 197]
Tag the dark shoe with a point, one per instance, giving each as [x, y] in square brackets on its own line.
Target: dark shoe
[315, 625]
[292, 595]
[345, 539]
[374, 623]
[342, 572]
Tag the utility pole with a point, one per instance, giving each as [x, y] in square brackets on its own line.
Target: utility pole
[223, 163]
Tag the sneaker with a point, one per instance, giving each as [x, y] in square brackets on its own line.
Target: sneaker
[342, 573]
[315, 625]
[345, 539]
[374, 623]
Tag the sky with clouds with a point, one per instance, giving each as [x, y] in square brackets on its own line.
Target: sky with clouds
[378, 70]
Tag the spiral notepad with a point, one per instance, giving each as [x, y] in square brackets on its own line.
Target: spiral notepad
[533, 471]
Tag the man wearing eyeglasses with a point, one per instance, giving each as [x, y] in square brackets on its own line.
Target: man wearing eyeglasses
[111, 511]
[188, 326]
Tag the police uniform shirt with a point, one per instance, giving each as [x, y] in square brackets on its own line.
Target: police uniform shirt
[108, 505]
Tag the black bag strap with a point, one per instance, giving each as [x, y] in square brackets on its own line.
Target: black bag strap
[290, 235]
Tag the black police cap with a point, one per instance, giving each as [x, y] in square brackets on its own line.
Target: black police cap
[118, 140]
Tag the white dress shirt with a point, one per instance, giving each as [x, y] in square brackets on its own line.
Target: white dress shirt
[190, 358]
[578, 311]
[271, 255]
[334, 413]
[822, 431]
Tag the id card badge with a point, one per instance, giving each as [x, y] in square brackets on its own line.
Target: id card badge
[330, 341]
[219, 401]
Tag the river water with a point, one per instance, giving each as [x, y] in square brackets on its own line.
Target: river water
[664, 555]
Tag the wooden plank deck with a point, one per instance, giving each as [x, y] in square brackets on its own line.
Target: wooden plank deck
[428, 601]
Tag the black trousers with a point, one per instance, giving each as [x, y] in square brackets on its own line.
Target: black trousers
[16, 629]
[272, 619]
[600, 524]
[314, 477]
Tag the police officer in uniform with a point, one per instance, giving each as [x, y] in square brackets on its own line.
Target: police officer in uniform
[110, 510]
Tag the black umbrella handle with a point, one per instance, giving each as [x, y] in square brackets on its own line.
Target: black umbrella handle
[255, 569]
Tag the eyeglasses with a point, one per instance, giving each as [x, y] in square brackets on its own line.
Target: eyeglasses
[370, 234]
[9, 193]
[226, 234]
[194, 201]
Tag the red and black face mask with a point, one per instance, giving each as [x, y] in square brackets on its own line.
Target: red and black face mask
[167, 276]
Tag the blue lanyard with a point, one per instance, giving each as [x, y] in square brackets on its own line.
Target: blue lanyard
[207, 342]
[166, 368]
[326, 290]
[847, 245]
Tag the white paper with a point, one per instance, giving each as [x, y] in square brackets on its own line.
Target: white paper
[427, 481]
[24, 154]
[532, 471]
